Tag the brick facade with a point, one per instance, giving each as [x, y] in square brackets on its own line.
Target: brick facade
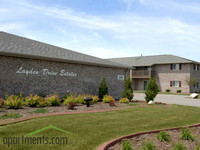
[78, 78]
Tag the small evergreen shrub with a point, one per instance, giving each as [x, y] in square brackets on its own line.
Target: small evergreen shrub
[179, 91]
[163, 136]
[69, 99]
[186, 135]
[54, 99]
[71, 105]
[128, 91]
[179, 146]
[10, 115]
[14, 101]
[33, 101]
[124, 100]
[108, 98]
[126, 145]
[152, 90]
[40, 110]
[149, 146]
[168, 90]
[103, 89]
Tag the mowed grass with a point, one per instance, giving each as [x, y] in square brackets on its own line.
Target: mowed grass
[92, 130]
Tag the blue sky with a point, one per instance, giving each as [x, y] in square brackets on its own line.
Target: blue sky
[108, 28]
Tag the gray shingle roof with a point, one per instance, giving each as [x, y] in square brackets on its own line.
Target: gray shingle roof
[151, 60]
[13, 45]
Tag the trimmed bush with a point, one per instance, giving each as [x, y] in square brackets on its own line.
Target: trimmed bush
[44, 103]
[103, 89]
[69, 99]
[168, 90]
[33, 101]
[14, 102]
[186, 135]
[126, 145]
[53, 99]
[124, 100]
[95, 99]
[108, 98]
[163, 136]
[179, 91]
[152, 90]
[128, 91]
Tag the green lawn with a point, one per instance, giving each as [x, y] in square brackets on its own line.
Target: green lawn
[92, 130]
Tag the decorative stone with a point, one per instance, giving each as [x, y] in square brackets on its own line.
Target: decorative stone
[151, 102]
[194, 95]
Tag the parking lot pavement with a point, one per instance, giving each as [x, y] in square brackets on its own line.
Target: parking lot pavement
[171, 99]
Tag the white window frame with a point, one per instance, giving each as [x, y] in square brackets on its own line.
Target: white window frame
[175, 66]
[175, 83]
[120, 77]
[196, 67]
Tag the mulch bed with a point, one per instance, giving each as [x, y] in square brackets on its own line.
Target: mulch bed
[138, 141]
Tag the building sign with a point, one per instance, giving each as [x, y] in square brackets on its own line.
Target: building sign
[120, 77]
[62, 72]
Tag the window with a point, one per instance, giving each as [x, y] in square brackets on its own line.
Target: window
[120, 77]
[175, 83]
[176, 67]
[196, 67]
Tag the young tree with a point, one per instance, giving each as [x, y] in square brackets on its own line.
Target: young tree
[128, 91]
[103, 89]
[190, 81]
[152, 90]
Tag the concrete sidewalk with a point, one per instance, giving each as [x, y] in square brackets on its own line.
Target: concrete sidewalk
[171, 99]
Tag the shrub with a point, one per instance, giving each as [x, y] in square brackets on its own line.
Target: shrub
[33, 101]
[103, 89]
[10, 115]
[80, 98]
[128, 91]
[1, 102]
[179, 146]
[108, 98]
[126, 145]
[163, 136]
[124, 100]
[112, 103]
[53, 99]
[168, 90]
[95, 99]
[40, 110]
[44, 103]
[149, 146]
[197, 147]
[152, 90]
[186, 135]
[69, 99]
[14, 102]
[179, 91]
[71, 105]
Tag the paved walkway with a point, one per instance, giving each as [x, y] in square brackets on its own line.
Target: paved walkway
[171, 99]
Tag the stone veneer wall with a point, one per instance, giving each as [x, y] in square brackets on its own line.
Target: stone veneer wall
[86, 78]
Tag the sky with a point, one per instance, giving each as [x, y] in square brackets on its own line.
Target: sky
[108, 28]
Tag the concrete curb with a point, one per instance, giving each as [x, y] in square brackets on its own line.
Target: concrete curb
[105, 146]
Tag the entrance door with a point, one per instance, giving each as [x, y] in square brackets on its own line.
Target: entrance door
[145, 85]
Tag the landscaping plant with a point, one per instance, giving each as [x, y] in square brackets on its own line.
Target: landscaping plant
[152, 90]
[40, 110]
[168, 90]
[44, 103]
[108, 98]
[33, 101]
[112, 103]
[163, 136]
[71, 105]
[14, 102]
[103, 89]
[10, 115]
[1, 102]
[128, 91]
[69, 99]
[54, 99]
[149, 146]
[179, 146]
[124, 100]
[197, 147]
[95, 99]
[179, 91]
[186, 134]
[126, 145]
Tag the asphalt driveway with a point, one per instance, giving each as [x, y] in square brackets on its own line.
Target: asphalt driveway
[171, 99]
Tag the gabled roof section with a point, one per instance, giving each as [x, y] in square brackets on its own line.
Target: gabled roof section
[13, 45]
[151, 60]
